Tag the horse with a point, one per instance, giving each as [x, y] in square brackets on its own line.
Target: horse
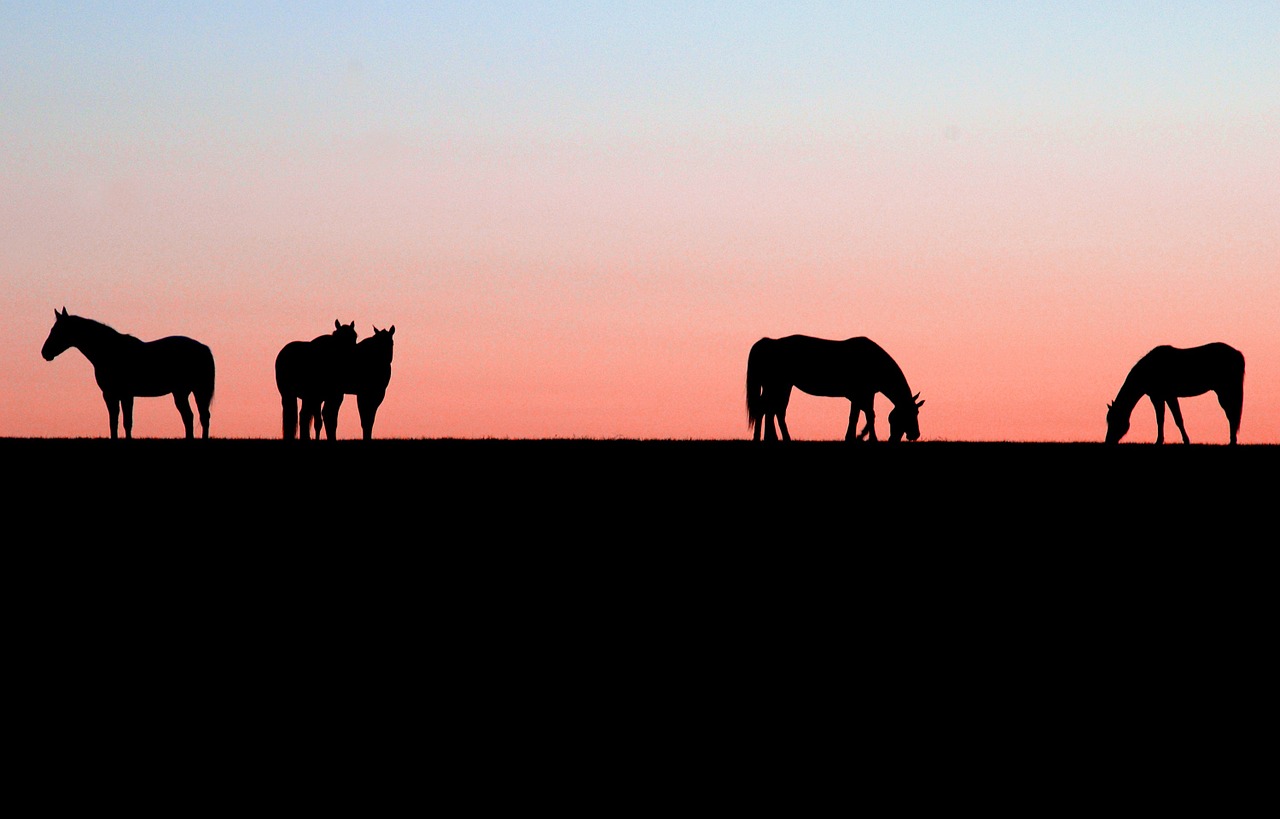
[852, 368]
[126, 367]
[366, 379]
[307, 372]
[1168, 373]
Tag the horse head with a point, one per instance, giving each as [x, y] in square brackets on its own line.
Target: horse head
[383, 339]
[345, 333]
[904, 419]
[59, 337]
[1117, 424]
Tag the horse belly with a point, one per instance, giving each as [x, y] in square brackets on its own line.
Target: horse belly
[825, 387]
[153, 387]
[122, 385]
[1189, 387]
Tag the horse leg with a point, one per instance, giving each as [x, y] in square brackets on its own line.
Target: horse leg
[368, 405]
[289, 417]
[1232, 403]
[113, 414]
[309, 412]
[780, 411]
[183, 403]
[769, 411]
[203, 400]
[851, 434]
[782, 424]
[317, 418]
[1177, 419]
[869, 410]
[329, 414]
[1158, 403]
[126, 411]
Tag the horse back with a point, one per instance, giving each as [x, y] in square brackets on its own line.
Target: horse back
[312, 368]
[1190, 371]
[174, 364]
[825, 367]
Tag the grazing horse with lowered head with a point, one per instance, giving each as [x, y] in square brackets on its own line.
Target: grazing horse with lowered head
[854, 368]
[366, 379]
[1168, 373]
[126, 367]
[309, 372]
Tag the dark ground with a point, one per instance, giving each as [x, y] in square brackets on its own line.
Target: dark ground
[584, 492]
[550, 612]
[779, 518]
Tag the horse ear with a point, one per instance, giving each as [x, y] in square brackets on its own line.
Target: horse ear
[64, 312]
[392, 331]
[916, 396]
[337, 325]
[919, 404]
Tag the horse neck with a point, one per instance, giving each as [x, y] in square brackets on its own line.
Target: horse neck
[372, 352]
[894, 384]
[1131, 391]
[96, 341]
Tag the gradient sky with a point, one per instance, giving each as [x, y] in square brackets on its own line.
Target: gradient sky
[580, 215]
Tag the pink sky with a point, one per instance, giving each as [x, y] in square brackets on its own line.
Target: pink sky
[590, 250]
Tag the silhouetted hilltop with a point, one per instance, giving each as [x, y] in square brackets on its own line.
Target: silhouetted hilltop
[511, 577]
[601, 491]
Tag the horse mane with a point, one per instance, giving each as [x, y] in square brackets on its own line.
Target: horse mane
[101, 329]
[94, 324]
[893, 371]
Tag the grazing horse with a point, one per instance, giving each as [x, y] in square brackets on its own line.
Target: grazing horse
[307, 372]
[126, 367]
[1168, 373]
[854, 368]
[366, 379]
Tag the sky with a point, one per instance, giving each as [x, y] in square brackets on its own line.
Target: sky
[579, 216]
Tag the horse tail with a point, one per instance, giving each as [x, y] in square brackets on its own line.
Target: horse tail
[755, 385]
[213, 371]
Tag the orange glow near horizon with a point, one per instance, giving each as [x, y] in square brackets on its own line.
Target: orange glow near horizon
[580, 223]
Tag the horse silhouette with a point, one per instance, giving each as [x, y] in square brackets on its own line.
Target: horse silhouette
[852, 368]
[309, 373]
[126, 367]
[1168, 373]
[366, 378]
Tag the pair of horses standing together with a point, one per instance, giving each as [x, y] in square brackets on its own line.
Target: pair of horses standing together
[319, 373]
[858, 368]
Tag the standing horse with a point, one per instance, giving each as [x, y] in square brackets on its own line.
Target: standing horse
[366, 379]
[1168, 373]
[309, 372]
[855, 368]
[126, 368]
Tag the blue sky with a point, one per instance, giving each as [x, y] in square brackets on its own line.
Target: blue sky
[1063, 184]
